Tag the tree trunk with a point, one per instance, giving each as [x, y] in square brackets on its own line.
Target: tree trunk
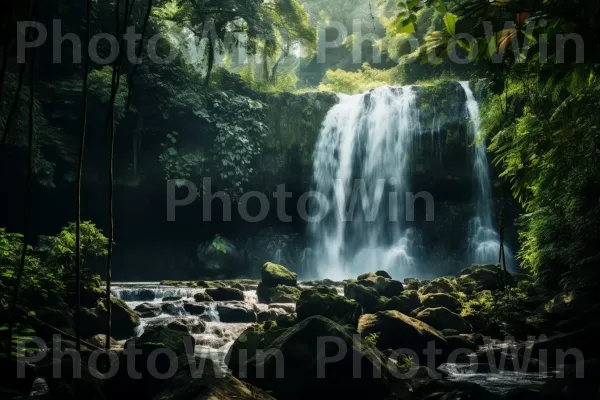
[27, 216]
[211, 61]
[78, 189]
[13, 109]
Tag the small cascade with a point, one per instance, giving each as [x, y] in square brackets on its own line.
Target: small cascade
[145, 293]
[484, 240]
[277, 257]
[361, 159]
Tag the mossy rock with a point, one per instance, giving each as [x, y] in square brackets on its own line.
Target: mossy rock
[123, 319]
[405, 303]
[296, 352]
[485, 277]
[202, 297]
[225, 294]
[440, 285]
[273, 275]
[210, 385]
[321, 302]
[257, 337]
[367, 297]
[278, 294]
[173, 337]
[368, 275]
[412, 284]
[441, 300]
[395, 331]
[442, 318]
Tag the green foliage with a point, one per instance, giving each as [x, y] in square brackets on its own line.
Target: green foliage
[100, 83]
[219, 244]
[501, 308]
[548, 150]
[371, 340]
[22, 345]
[176, 165]
[367, 78]
[60, 249]
[238, 122]
[34, 275]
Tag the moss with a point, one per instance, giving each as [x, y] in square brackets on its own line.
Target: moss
[405, 303]
[337, 308]
[367, 297]
[225, 294]
[442, 318]
[396, 331]
[441, 300]
[256, 337]
[273, 275]
[278, 294]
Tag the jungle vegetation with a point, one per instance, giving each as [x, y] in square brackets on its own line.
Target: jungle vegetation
[206, 110]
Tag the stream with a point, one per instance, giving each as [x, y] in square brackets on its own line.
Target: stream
[215, 340]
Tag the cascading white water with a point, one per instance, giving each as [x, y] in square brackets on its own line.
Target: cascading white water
[360, 173]
[484, 240]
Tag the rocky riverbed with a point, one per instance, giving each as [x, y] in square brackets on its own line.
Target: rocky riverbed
[277, 337]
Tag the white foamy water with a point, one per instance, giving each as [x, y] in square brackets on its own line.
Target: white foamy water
[484, 241]
[364, 146]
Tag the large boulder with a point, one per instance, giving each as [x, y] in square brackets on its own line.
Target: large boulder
[236, 312]
[440, 285]
[320, 301]
[225, 294]
[441, 300]
[298, 365]
[123, 319]
[277, 294]
[382, 283]
[579, 380]
[442, 318]
[405, 303]
[396, 331]
[483, 277]
[203, 297]
[211, 385]
[147, 310]
[584, 340]
[367, 297]
[194, 309]
[256, 337]
[273, 275]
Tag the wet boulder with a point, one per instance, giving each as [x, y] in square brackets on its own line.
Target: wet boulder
[225, 294]
[440, 285]
[194, 309]
[202, 297]
[236, 312]
[319, 301]
[256, 337]
[147, 310]
[442, 318]
[123, 319]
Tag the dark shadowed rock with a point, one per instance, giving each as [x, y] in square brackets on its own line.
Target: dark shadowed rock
[395, 331]
[320, 301]
[298, 350]
[236, 312]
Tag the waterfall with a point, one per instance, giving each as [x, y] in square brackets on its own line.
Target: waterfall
[484, 240]
[360, 179]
